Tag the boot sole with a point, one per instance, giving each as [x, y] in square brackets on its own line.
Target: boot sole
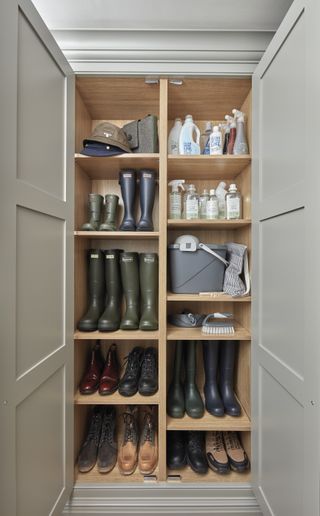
[108, 392]
[216, 469]
[127, 394]
[106, 470]
[127, 473]
[148, 393]
[201, 472]
[87, 393]
[148, 472]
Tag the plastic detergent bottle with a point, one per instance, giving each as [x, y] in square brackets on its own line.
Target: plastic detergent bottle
[225, 129]
[191, 204]
[212, 206]
[173, 140]
[233, 203]
[216, 141]
[187, 144]
[203, 199]
[221, 194]
[205, 139]
[175, 199]
[240, 144]
[233, 132]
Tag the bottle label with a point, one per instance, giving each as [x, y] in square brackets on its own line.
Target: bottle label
[187, 148]
[215, 144]
[233, 208]
[222, 208]
[175, 206]
[192, 209]
[212, 209]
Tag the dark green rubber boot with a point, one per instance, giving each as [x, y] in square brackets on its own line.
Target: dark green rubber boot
[96, 291]
[110, 212]
[149, 291]
[95, 202]
[193, 400]
[175, 398]
[130, 283]
[110, 319]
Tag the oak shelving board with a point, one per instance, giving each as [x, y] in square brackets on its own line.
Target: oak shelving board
[206, 167]
[187, 475]
[208, 224]
[116, 335]
[115, 399]
[108, 167]
[114, 476]
[175, 333]
[118, 235]
[214, 297]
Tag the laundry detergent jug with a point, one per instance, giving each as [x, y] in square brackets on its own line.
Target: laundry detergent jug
[187, 144]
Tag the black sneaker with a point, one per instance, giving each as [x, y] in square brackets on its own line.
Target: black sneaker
[148, 383]
[108, 447]
[89, 449]
[128, 385]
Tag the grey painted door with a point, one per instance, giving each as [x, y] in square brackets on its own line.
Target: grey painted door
[36, 221]
[286, 273]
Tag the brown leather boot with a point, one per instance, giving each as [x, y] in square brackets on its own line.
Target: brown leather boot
[109, 380]
[128, 450]
[90, 380]
[238, 459]
[216, 453]
[148, 451]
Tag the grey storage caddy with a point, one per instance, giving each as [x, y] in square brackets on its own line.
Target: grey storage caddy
[196, 267]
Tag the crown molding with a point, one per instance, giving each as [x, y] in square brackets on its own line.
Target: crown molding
[162, 51]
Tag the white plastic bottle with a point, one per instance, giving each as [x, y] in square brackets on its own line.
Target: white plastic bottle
[233, 203]
[192, 203]
[221, 194]
[175, 199]
[216, 141]
[187, 144]
[212, 211]
[240, 144]
[173, 140]
[205, 139]
[203, 199]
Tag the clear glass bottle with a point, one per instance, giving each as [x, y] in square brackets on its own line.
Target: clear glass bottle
[233, 203]
[191, 208]
[212, 209]
[203, 199]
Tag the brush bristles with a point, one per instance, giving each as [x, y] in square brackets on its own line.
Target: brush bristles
[218, 330]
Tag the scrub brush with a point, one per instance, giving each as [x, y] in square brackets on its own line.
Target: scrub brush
[218, 327]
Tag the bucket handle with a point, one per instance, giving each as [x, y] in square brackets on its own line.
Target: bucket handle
[208, 250]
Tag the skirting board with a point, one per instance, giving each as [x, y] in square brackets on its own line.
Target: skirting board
[163, 500]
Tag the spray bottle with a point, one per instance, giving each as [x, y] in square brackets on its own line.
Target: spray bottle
[240, 145]
[221, 194]
[232, 138]
[175, 200]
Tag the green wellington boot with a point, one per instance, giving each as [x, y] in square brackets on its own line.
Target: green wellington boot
[95, 202]
[193, 400]
[175, 398]
[110, 319]
[96, 291]
[130, 283]
[110, 212]
[149, 291]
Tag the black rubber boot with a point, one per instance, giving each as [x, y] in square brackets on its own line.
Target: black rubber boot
[227, 359]
[193, 400]
[176, 449]
[213, 400]
[130, 283]
[147, 193]
[110, 319]
[95, 202]
[127, 183]
[96, 291]
[110, 212]
[148, 271]
[175, 398]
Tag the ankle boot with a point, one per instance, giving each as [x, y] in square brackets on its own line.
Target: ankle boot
[227, 359]
[108, 446]
[129, 383]
[90, 380]
[148, 446]
[110, 211]
[147, 193]
[127, 183]
[89, 321]
[213, 400]
[109, 380]
[130, 282]
[95, 202]
[128, 451]
[149, 291]
[110, 319]
[175, 398]
[89, 448]
[148, 381]
[193, 400]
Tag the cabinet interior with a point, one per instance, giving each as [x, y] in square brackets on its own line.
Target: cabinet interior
[120, 100]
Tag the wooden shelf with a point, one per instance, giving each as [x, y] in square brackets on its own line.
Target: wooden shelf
[176, 333]
[118, 235]
[214, 297]
[116, 335]
[115, 399]
[109, 167]
[94, 477]
[206, 167]
[187, 475]
[208, 224]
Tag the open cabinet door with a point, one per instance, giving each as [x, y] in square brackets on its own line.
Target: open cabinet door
[286, 272]
[36, 221]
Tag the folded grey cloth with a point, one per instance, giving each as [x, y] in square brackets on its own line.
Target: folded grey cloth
[186, 319]
[238, 264]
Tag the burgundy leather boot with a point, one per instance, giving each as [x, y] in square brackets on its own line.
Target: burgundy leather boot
[110, 377]
[91, 378]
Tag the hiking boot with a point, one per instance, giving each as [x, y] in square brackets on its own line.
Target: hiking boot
[148, 383]
[128, 451]
[216, 453]
[108, 448]
[128, 385]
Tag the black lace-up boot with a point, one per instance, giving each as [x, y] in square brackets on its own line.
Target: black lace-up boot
[89, 449]
[108, 448]
[148, 383]
[196, 455]
[128, 385]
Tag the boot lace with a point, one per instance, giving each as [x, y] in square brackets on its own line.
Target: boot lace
[232, 440]
[94, 434]
[195, 441]
[132, 364]
[107, 430]
[129, 429]
[217, 442]
[148, 369]
[148, 429]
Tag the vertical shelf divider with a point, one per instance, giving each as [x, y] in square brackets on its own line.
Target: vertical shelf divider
[162, 343]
